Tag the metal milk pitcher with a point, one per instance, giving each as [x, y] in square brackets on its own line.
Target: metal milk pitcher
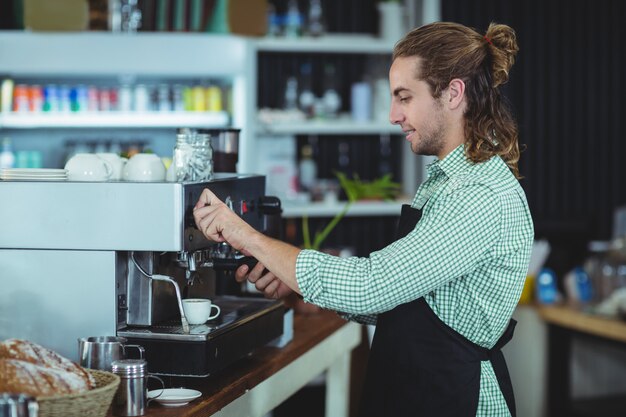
[101, 351]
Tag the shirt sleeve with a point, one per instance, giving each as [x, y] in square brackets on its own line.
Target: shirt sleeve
[455, 234]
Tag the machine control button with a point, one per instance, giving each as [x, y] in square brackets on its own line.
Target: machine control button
[229, 202]
[244, 207]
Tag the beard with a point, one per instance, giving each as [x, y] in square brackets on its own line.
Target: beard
[430, 140]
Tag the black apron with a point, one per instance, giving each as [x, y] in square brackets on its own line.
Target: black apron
[419, 366]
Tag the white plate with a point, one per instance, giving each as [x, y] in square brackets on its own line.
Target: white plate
[32, 176]
[34, 171]
[174, 397]
[33, 179]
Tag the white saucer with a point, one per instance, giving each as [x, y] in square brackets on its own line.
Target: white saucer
[31, 178]
[33, 174]
[174, 397]
[33, 171]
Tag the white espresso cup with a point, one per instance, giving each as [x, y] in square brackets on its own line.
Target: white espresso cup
[144, 167]
[117, 164]
[198, 310]
[88, 167]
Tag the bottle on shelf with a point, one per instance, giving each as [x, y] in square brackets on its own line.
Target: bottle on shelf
[178, 101]
[343, 161]
[306, 99]
[21, 101]
[125, 98]
[214, 98]
[35, 95]
[141, 96]
[131, 16]
[291, 94]
[6, 94]
[7, 157]
[115, 147]
[293, 20]
[315, 25]
[307, 169]
[331, 98]
[163, 103]
[273, 21]
[100, 147]
[361, 102]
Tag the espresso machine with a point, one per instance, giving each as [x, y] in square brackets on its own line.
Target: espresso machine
[84, 259]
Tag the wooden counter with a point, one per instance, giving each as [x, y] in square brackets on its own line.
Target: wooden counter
[565, 324]
[574, 319]
[255, 385]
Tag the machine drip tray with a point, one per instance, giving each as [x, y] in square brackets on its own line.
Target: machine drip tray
[244, 325]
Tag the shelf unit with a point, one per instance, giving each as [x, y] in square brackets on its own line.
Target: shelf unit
[94, 55]
[103, 55]
[113, 120]
[336, 43]
[343, 125]
[358, 209]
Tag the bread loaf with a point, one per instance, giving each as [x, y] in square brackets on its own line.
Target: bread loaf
[39, 381]
[33, 353]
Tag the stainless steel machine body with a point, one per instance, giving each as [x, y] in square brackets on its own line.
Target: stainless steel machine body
[75, 257]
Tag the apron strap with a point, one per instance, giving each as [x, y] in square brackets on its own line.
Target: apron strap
[496, 357]
[506, 336]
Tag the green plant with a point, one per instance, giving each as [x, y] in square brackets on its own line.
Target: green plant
[382, 188]
[320, 236]
[355, 189]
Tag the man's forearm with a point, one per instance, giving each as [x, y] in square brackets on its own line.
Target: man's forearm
[278, 257]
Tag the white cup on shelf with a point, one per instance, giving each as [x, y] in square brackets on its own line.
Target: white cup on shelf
[88, 167]
[144, 167]
[117, 164]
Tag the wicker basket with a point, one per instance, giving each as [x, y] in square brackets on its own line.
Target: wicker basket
[93, 403]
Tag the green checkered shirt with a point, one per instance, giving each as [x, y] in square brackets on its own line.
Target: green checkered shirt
[468, 257]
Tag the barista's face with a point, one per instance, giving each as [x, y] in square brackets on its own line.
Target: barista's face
[421, 116]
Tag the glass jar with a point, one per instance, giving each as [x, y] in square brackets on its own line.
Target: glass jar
[179, 170]
[201, 163]
[193, 157]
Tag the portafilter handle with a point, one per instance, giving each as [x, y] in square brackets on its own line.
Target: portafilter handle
[179, 299]
[231, 264]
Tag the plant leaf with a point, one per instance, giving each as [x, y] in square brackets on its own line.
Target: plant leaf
[306, 236]
[321, 236]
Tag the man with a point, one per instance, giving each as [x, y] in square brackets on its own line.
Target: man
[443, 293]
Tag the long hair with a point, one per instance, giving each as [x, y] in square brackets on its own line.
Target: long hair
[451, 50]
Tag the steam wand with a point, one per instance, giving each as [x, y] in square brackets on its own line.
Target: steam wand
[158, 277]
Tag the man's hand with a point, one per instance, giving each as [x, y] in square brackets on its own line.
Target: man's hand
[219, 223]
[268, 284]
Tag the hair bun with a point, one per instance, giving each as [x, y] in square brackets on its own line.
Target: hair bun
[504, 49]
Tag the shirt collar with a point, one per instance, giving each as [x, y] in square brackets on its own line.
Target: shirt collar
[452, 164]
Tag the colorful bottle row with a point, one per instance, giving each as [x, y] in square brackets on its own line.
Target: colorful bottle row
[54, 98]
